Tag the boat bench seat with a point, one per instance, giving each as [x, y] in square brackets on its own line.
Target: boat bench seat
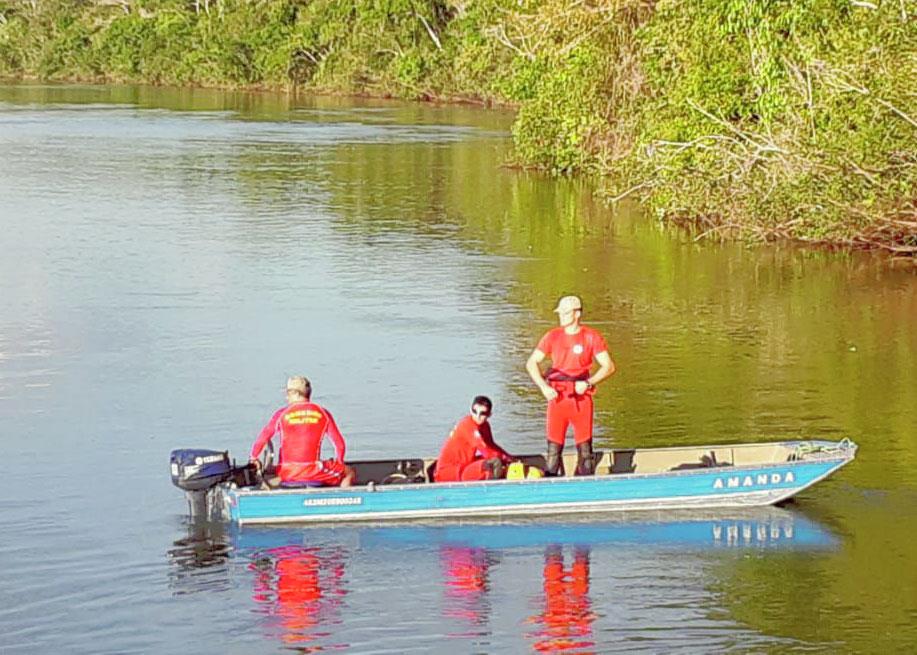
[390, 471]
[675, 459]
[705, 462]
[603, 463]
[533, 460]
[272, 481]
[383, 471]
[528, 460]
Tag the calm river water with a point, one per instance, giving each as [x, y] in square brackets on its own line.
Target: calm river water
[168, 258]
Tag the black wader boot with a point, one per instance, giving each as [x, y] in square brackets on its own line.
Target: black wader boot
[585, 458]
[553, 462]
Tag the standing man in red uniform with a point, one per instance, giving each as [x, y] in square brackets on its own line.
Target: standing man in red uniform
[470, 452]
[302, 425]
[567, 385]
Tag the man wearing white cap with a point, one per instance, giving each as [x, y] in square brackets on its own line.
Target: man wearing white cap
[567, 385]
[302, 425]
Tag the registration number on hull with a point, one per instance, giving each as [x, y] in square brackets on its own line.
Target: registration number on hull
[326, 502]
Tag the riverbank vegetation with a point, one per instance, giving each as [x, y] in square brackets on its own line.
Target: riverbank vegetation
[756, 119]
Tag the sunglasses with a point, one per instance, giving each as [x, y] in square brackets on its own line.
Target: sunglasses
[480, 412]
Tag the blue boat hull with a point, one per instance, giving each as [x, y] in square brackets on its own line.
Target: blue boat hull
[739, 486]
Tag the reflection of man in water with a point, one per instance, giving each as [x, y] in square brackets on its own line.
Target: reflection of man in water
[566, 622]
[299, 588]
[466, 571]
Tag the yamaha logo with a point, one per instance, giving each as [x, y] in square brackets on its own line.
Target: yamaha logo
[209, 459]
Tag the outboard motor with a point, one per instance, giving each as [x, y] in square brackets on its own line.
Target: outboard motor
[197, 471]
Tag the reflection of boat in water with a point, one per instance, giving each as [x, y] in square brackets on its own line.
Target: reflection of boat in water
[766, 527]
[214, 544]
[314, 587]
[702, 477]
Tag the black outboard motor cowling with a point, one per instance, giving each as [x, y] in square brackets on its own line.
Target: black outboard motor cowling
[194, 469]
[198, 472]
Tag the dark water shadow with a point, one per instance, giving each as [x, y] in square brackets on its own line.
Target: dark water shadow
[200, 559]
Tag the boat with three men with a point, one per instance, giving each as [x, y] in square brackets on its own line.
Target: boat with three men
[682, 477]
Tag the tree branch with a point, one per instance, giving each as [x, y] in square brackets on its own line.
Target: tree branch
[900, 113]
[439, 46]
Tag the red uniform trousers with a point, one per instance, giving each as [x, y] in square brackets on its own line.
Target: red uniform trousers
[476, 471]
[470, 472]
[329, 472]
[569, 409]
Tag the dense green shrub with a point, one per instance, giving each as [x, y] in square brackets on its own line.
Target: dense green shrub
[789, 116]
[759, 117]
[563, 111]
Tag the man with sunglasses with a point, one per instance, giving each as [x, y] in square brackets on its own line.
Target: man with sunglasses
[470, 452]
[302, 425]
[568, 385]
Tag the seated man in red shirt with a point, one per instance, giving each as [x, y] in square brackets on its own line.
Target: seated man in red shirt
[470, 452]
[302, 425]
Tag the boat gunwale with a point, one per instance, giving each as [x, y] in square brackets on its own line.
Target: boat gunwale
[616, 505]
[517, 510]
[843, 456]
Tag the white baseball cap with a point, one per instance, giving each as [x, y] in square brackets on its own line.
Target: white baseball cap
[568, 304]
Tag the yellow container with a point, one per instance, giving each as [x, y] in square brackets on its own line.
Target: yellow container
[516, 471]
[534, 473]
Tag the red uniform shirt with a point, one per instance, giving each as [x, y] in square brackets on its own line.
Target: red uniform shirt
[572, 354]
[571, 359]
[301, 426]
[468, 442]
